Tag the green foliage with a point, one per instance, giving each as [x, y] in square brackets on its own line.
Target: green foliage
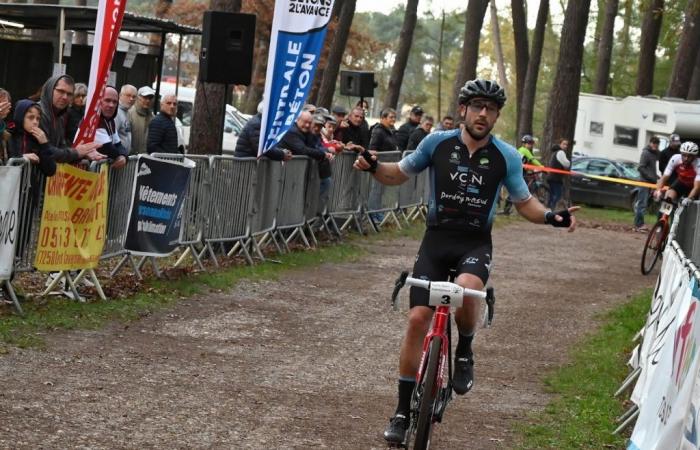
[584, 410]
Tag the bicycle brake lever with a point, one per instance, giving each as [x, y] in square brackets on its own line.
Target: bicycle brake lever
[490, 302]
[398, 284]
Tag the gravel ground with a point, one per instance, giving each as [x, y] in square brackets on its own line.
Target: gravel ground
[309, 360]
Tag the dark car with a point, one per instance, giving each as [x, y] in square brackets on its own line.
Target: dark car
[603, 193]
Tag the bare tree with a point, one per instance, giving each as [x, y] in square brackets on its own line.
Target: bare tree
[651, 28]
[521, 49]
[498, 48]
[687, 52]
[340, 40]
[602, 74]
[560, 121]
[476, 10]
[325, 52]
[405, 40]
[206, 132]
[694, 91]
[533, 67]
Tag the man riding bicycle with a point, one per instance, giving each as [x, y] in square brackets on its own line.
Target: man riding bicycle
[686, 166]
[467, 168]
[525, 150]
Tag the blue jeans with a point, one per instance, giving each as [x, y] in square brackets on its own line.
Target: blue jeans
[640, 206]
[555, 190]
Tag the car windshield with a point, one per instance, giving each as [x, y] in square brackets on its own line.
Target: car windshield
[233, 123]
[630, 169]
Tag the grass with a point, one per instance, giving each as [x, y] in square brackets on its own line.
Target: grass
[583, 413]
[625, 216]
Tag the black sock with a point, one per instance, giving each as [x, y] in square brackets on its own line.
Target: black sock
[464, 346]
[406, 387]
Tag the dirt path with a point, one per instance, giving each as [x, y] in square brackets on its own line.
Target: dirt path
[316, 367]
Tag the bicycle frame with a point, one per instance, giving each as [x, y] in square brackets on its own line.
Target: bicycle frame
[440, 327]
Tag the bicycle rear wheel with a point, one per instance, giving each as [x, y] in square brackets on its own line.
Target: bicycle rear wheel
[541, 191]
[426, 404]
[653, 247]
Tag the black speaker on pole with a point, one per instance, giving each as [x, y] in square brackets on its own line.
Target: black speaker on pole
[227, 48]
[357, 84]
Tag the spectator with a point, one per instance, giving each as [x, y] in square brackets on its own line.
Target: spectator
[447, 123]
[357, 130]
[421, 131]
[162, 133]
[340, 114]
[362, 104]
[106, 133]
[56, 96]
[328, 135]
[407, 128]
[674, 148]
[558, 161]
[249, 140]
[648, 173]
[299, 140]
[76, 111]
[5, 107]
[28, 140]
[309, 108]
[383, 134]
[140, 116]
[127, 98]
[324, 165]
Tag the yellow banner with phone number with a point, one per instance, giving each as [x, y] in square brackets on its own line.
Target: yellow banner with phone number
[73, 220]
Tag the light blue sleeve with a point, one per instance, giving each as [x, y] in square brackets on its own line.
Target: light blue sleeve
[514, 181]
[419, 160]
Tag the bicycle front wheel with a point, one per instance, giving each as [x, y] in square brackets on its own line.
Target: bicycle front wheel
[426, 405]
[653, 247]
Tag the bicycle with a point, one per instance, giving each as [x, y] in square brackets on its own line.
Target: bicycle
[656, 240]
[537, 187]
[433, 390]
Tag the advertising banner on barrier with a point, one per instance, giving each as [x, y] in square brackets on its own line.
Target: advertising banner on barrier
[9, 223]
[109, 21]
[663, 413]
[298, 31]
[73, 220]
[157, 199]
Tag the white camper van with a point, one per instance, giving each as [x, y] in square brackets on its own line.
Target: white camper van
[619, 128]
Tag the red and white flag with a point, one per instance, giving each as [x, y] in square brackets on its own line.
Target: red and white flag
[109, 21]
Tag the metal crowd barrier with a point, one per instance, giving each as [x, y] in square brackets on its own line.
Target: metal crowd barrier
[345, 201]
[383, 201]
[31, 201]
[266, 204]
[687, 234]
[292, 206]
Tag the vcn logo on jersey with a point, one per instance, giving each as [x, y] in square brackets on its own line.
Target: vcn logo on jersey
[465, 176]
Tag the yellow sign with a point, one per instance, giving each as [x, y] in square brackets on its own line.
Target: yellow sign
[73, 221]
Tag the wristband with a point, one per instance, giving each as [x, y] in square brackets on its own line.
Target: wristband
[549, 218]
[373, 164]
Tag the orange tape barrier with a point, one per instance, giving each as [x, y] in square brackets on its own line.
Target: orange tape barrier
[596, 177]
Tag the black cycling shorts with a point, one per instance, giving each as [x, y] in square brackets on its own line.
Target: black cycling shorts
[443, 250]
[681, 189]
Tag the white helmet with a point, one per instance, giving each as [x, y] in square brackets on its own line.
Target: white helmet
[689, 148]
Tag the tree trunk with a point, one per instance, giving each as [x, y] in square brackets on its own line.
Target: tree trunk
[325, 53]
[405, 40]
[207, 130]
[533, 68]
[335, 57]
[651, 28]
[497, 47]
[602, 75]
[256, 89]
[687, 52]
[560, 121]
[476, 10]
[694, 91]
[160, 10]
[521, 50]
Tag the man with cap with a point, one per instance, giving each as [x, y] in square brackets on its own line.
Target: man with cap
[140, 116]
[339, 113]
[405, 130]
[674, 148]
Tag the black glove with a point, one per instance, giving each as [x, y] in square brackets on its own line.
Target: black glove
[372, 162]
[565, 215]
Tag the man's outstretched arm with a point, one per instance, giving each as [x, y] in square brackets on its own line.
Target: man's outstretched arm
[535, 212]
[385, 173]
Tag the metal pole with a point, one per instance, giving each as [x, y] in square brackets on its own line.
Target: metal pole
[161, 57]
[61, 31]
[177, 75]
[439, 96]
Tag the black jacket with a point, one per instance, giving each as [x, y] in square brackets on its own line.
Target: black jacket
[404, 134]
[54, 123]
[383, 139]
[555, 164]
[647, 165]
[22, 142]
[75, 116]
[356, 135]
[162, 135]
[416, 137]
[249, 139]
[665, 156]
[307, 144]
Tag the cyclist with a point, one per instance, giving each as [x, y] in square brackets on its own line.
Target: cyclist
[467, 168]
[686, 167]
[527, 143]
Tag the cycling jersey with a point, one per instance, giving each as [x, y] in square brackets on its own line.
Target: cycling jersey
[527, 157]
[687, 174]
[464, 188]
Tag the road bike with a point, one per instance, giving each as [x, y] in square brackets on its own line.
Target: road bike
[656, 240]
[433, 389]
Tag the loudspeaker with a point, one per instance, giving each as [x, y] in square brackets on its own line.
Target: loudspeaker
[227, 48]
[357, 84]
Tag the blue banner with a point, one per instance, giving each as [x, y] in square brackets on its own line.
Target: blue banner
[298, 32]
